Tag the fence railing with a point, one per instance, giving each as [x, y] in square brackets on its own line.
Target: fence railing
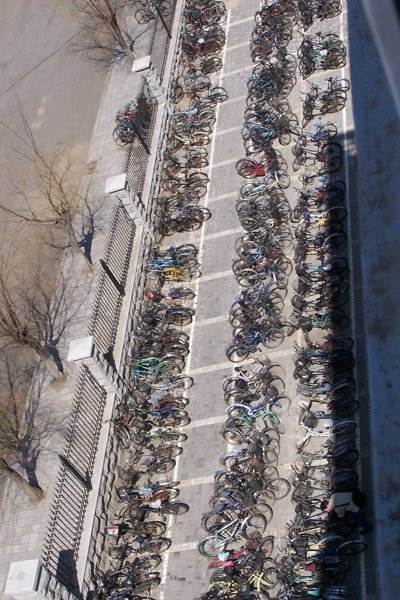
[159, 41]
[72, 487]
[112, 279]
[137, 155]
[140, 279]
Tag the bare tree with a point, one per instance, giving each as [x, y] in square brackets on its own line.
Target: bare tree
[18, 438]
[45, 186]
[19, 325]
[103, 38]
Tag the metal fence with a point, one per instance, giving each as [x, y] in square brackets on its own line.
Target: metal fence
[159, 42]
[137, 155]
[73, 483]
[146, 242]
[111, 285]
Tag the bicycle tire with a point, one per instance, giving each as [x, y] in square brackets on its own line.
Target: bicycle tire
[155, 529]
[143, 16]
[164, 465]
[236, 354]
[175, 508]
[265, 509]
[344, 427]
[266, 495]
[206, 546]
[273, 338]
[351, 547]
[267, 545]
[146, 586]
[174, 436]
[280, 487]
[255, 524]
[281, 404]
[283, 180]
[231, 436]
[123, 436]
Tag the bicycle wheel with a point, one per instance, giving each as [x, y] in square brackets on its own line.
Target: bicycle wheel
[255, 524]
[207, 546]
[145, 586]
[352, 547]
[123, 436]
[174, 436]
[280, 487]
[235, 353]
[281, 404]
[198, 138]
[182, 381]
[147, 563]
[160, 545]
[273, 338]
[344, 408]
[282, 179]
[153, 528]
[343, 427]
[334, 243]
[265, 510]
[246, 168]
[164, 466]
[267, 545]
[331, 165]
[165, 7]
[175, 508]
[232, 436]
[143, 16]
[219, 93]
[266, 495]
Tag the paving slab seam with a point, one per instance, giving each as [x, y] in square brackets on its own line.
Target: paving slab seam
[206, 422]
[236, 71]
[223, 197]
[218, 234]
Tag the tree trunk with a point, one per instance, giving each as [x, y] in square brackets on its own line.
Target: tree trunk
[48, 360]
[121, 40]
[76, 249]
[34, 492]
[117, 33]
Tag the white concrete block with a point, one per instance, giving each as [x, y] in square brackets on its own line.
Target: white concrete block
[80, 349]
[22, 577]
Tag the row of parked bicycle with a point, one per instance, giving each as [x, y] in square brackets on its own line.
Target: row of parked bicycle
[246, 489]
[312, 559]
[149, 417]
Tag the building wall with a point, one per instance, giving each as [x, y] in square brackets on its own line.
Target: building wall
[377, 299]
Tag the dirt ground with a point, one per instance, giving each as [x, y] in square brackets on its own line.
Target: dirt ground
[59, 91]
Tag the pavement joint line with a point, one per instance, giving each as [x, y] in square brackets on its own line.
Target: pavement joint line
[196, 481]
[230, 130]
[183, 547]
[232, 99]
[223, 163]
[223, 197]
[219, 234]
[211, 320]
[213, 276]
[206, 422]
[244, 20]
[236, 71]
[241, 45]
[164, 572]
[211, 368]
